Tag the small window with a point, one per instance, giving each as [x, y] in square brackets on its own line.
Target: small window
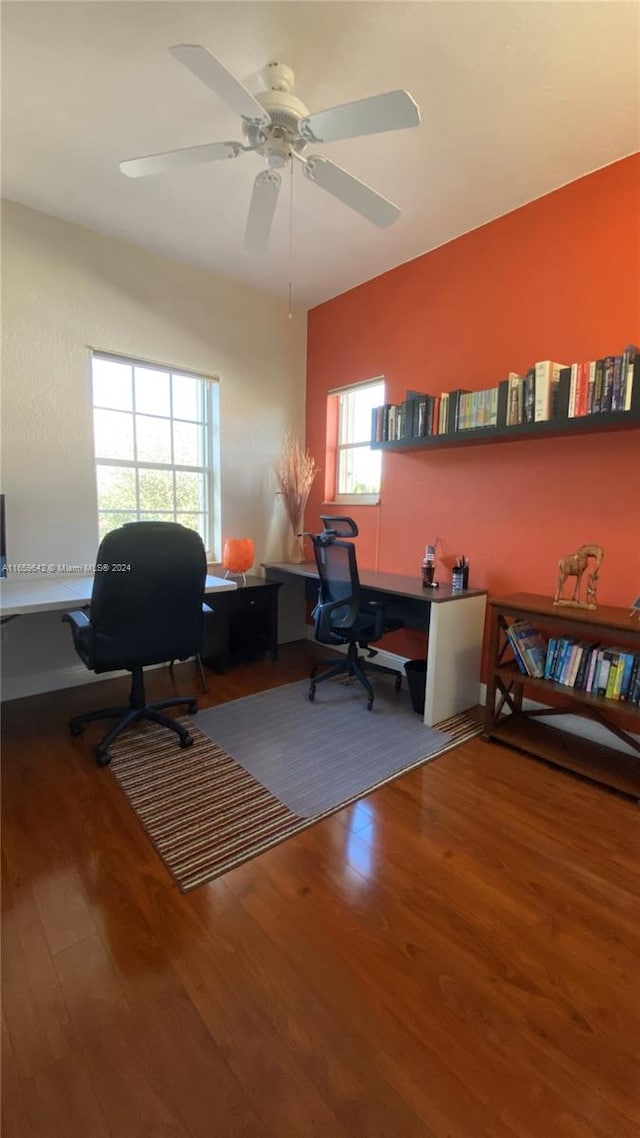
[155, 438]
[357, 466]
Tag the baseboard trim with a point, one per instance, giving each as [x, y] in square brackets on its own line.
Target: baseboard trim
[19, 687]
[386, 659]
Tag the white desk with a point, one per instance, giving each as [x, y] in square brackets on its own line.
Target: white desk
[40, 601]
[29, 594]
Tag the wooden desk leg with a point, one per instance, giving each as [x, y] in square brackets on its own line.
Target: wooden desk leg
[494, 643]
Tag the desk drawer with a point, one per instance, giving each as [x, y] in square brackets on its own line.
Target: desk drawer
[243, 624]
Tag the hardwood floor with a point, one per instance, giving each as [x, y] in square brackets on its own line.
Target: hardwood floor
[455, 956]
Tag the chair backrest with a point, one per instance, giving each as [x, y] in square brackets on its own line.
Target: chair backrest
[148, 589]
[339, 581]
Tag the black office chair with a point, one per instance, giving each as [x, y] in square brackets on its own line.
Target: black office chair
[146, 608]
[340, 616]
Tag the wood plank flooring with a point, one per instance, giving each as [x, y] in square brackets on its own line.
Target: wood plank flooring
[455, 956]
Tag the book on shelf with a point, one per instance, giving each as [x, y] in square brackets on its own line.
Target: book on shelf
[514, 399]
[530, 647]
[613, 672]
[529, 396]
[546, 379]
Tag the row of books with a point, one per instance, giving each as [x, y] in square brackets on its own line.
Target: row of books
[417, 418]
[596, 668]
[599, 386]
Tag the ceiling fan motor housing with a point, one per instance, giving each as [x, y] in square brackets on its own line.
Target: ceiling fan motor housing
[281, 135]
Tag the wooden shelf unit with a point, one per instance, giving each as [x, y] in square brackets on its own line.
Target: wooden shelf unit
[560, 425]
[506, 719]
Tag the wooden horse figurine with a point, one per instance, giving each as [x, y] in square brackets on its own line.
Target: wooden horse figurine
[574, 565]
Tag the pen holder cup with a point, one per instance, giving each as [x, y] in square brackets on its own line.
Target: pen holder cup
[460, 577]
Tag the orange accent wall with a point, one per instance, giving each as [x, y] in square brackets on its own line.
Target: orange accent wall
[557, 279]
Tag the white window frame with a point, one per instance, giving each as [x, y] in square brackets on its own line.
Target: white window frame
[210, 437]
[354, 499]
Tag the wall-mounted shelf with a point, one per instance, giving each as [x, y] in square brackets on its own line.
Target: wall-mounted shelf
[560, 425]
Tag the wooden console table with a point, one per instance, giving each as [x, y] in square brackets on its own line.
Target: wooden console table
[507, 721]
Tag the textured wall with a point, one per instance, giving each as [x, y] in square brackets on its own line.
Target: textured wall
[66, 290]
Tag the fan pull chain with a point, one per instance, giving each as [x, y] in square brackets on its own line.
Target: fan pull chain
[290, 236]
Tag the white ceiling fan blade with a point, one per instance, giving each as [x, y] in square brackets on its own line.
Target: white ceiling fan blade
[261, 211]
[393, 110]
[214, 75]
[189, 156]
[351, 191]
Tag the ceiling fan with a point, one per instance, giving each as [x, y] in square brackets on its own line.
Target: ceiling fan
[278, 126]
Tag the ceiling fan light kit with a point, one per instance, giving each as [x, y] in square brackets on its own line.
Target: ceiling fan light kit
[278, 126]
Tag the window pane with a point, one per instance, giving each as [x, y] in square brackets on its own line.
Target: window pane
[192, 521]
[156, 490]
[359, 471]
[187, 450]
[147, 421]
[189, 491]
[152, 391]
[116, 487]
[113, 432]
[157, 516]
[186, 397]
[109, 521]
[112, 384]
[355, 413]
[153, 439]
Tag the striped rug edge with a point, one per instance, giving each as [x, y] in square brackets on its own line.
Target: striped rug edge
[203, 853]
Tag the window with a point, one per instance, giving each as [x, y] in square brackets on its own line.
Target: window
[155, 439]
[357, 466]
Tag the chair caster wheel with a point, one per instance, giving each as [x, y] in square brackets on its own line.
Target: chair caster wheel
[369, 704]
[186, 741]
[398, 683]
[103, 758]
[192, 708]
[76, 728]
[311, 694]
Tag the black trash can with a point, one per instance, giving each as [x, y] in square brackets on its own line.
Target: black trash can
[416, 671]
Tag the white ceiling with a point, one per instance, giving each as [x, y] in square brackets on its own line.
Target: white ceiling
[516, 99]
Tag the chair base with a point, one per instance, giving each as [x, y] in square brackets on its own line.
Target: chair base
[351, 665]
[137, 710]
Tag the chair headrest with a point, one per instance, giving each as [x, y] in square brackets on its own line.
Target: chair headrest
[337, 527]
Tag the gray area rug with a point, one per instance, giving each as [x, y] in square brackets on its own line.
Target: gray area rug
[315, 756]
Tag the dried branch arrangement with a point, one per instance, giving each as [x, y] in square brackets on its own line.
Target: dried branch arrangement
[295, 471]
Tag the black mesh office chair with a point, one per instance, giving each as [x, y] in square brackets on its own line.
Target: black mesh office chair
[146, 608]
[340, 615]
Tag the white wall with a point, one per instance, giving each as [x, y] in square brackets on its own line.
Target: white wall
[66, 290]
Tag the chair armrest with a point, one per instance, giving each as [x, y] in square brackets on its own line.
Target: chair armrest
[77, 619]
[322, 614]
[379, 608]
[83, 636]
